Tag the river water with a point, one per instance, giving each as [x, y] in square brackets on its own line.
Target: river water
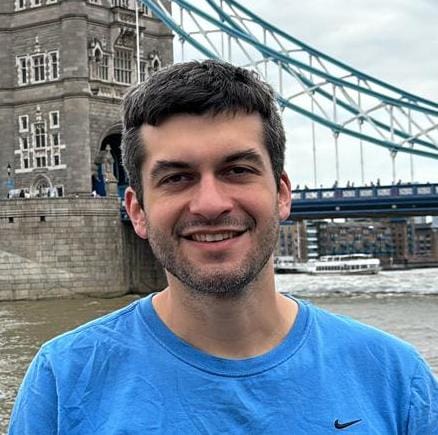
[403, 303]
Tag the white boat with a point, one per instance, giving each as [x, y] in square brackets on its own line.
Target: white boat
[284, 264]
[360, 264]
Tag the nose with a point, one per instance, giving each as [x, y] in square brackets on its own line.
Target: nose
[210, 199]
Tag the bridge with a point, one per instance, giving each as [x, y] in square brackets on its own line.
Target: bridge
[357, 202]
[365, 201]
[330, 94]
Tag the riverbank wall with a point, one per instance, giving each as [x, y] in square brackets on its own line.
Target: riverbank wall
[62, 247]
[411, 265]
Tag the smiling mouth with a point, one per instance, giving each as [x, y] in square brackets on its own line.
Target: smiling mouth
[217, 237]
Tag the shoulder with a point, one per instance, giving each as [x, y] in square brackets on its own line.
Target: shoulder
[362, 343]
[107, 330]
[373, 365]
[345, 326]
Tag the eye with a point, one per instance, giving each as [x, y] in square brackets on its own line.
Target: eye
[239, 171]
[176, 179]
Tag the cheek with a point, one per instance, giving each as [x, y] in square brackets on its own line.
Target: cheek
[163, 214]
[260, 205]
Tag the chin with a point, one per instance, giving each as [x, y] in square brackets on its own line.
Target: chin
[217, 282]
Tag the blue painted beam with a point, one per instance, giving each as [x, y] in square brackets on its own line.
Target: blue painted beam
[378, 201]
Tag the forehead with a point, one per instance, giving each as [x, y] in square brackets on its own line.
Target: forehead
[199, 138]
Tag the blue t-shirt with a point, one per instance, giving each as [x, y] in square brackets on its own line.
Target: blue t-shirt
[127, 373]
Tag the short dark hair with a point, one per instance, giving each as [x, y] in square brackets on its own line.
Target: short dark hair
[197, 88]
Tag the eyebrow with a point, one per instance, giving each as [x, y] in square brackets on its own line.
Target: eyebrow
[249, 155]
[168, 165]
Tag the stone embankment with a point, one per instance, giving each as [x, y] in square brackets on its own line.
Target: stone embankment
[57, 247]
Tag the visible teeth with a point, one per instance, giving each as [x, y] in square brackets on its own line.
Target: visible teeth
[212, 237]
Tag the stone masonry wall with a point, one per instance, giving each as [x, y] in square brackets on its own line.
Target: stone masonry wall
[60, 247]
[144, 274]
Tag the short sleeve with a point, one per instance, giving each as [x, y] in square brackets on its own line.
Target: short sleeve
[423, 410]
[35, 409]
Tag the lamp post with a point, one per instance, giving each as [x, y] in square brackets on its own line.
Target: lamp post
[9, 182]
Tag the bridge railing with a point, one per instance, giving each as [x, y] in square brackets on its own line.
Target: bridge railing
[365, 192]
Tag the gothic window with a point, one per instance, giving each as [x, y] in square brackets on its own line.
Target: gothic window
[99, 61]
[143, 70]
[143, 9]
[38, 68]
[39, 135]
[22, 70]
[24, 143]
[40, 162]
[123, 66]
[156, 65]
[23, 123]
[55, 139]
[154, 62]
[38, 146]
[20, 4]
[120, 3]
[54, 65]
[102, 71]
[54, 119]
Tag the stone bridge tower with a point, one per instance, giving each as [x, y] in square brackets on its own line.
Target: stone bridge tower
[65, 65]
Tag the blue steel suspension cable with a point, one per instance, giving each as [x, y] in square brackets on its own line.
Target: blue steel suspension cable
[238, 33]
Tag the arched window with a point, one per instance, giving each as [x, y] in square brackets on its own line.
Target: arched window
[41, 187]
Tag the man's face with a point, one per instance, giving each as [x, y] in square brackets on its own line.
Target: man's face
[211, 207]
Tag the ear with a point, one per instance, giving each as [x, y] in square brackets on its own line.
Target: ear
[136, 213]
[284, 197]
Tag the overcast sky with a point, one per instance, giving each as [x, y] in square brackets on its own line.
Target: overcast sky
[393, 40]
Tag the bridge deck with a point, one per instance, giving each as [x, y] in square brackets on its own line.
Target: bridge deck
[366, 201]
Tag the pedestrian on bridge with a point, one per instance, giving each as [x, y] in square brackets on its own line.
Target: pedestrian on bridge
[219, 350]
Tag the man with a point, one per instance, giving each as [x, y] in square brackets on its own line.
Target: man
[219, 350]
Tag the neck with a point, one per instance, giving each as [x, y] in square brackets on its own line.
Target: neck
[238, 327]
